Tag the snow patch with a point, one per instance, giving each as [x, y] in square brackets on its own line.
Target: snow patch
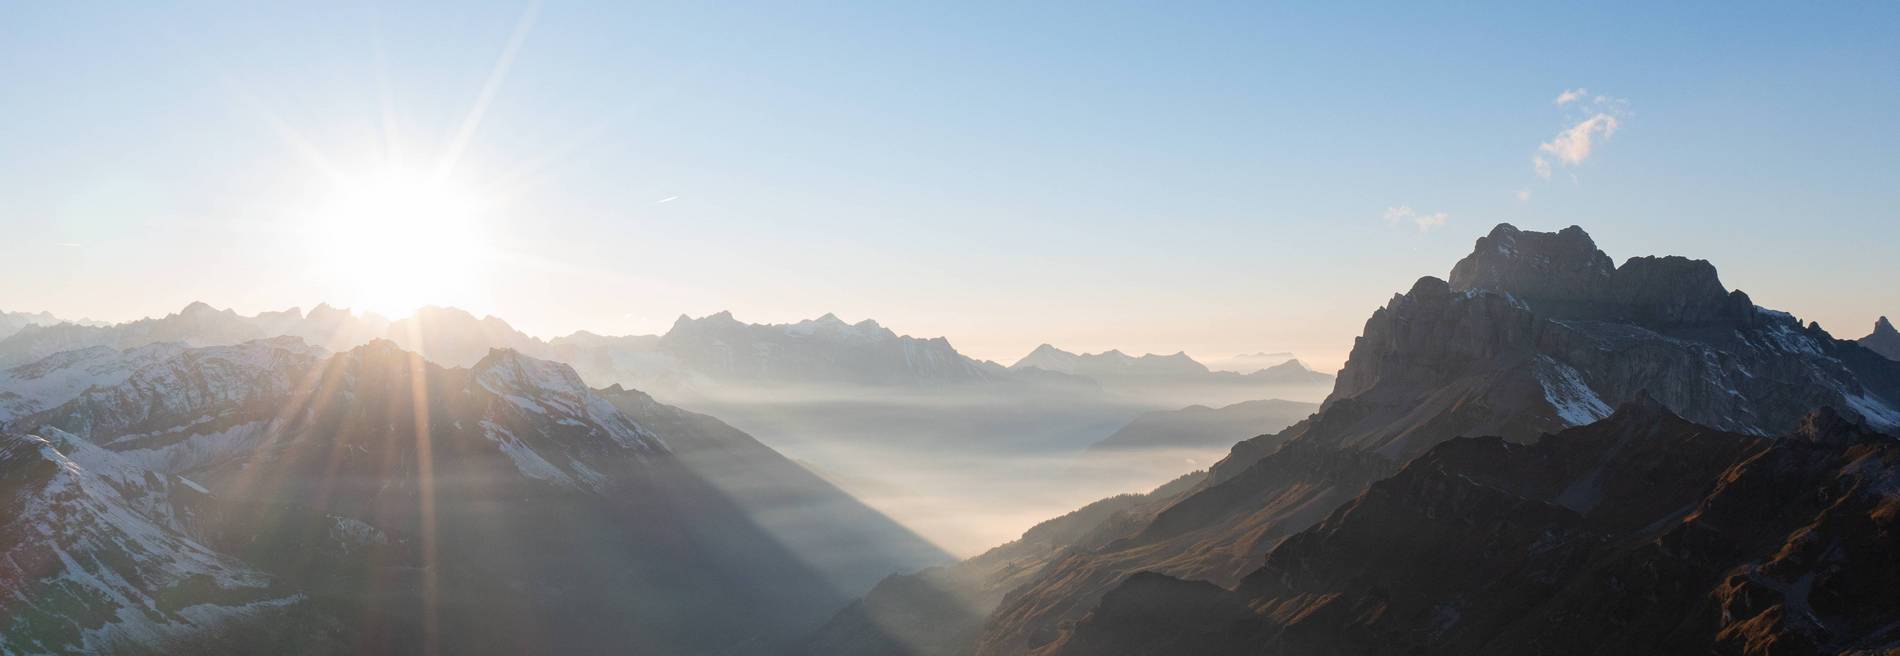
[1573, 400]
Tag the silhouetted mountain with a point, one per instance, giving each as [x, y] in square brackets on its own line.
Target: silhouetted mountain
[1175, 378]
[1535, 333]
[373, 501]
[1109, 364]
[1883, 340]
[1249, 362]
[1641, 533]
[1161, 444]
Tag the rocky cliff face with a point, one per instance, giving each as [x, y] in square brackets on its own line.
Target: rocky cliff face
[1642, 533]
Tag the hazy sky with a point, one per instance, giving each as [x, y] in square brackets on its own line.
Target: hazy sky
[1219, 178]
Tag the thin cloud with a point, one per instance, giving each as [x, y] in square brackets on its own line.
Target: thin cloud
[1523, 195]
[1571, 95]
[1425, 222]
[666, 200]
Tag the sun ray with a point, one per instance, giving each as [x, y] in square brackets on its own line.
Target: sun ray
[489, 88]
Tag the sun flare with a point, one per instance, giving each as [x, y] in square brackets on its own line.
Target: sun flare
[397, 240]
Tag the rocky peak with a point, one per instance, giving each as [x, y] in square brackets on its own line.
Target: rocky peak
[1559, 267]
[1884, 340]
[506, 371]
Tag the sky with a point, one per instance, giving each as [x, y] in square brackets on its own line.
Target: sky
[1218, 178]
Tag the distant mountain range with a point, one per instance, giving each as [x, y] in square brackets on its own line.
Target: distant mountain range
[713, 350]
[1160, 445]
[266, 497]
[1737, 504]
[13, 322]
[1113, 367]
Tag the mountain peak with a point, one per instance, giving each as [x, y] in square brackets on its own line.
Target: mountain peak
[197, 308]
[1884, 327]
[1555, 266]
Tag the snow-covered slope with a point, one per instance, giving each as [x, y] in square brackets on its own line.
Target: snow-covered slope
[57, 378]
[96, 554]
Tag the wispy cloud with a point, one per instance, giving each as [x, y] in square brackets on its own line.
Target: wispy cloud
[666, 200]
[1404, 213]
[1523, 195]
[1572, 146]
[1602, 116]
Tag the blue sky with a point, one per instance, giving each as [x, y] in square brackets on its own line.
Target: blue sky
[1153, 177]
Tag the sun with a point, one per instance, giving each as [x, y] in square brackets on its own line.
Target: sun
[395, 240]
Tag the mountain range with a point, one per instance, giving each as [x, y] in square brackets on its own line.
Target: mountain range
[1534, 334]
[269, 497]
[1543, 452]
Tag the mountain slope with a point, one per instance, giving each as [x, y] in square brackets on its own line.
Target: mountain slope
[1482, 546]
[407, 506]
[100, 555]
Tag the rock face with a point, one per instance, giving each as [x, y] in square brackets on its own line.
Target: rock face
[263, 497]
[1883, 340]
[1534, 333]
[1642, 533]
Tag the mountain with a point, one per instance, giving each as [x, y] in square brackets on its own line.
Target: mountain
[1249, 362]
[35, 386]
[1641, 533]
[825, 350]
[1176, 377]
[100, 555]
[1162, 444]
[1534, 333]
[455, 338]
[334, 329]
[1883, 340]
[13, 322]
[374, 501]
[197, 324]
[1109, 364]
